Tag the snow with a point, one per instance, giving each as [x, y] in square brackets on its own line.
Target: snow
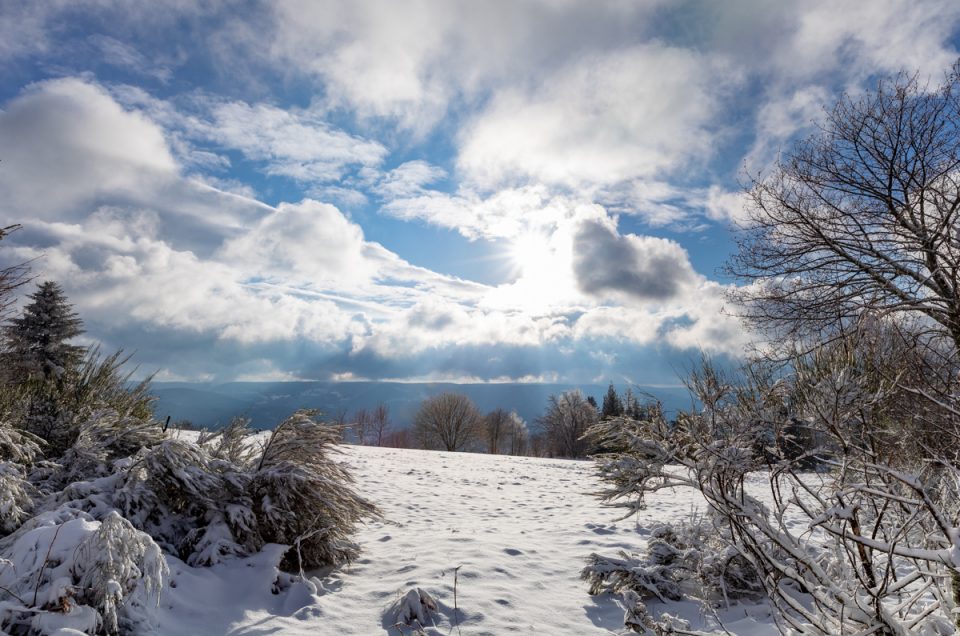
[510, 533]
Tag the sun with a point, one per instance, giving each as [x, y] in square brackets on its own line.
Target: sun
[532, 255]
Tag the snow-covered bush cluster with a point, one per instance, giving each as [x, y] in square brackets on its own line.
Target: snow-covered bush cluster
[93, 490]
[218, 498]
[690, 560]
[866, 543]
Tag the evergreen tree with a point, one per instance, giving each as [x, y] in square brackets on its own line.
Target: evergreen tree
[37, 340]
[612, 406]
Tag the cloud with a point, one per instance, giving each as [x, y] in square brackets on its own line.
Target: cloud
[605, 119]
[408, 179]
[142, 248]
[507, 213]
[66, 141]
[643, 268]
[884, 36]
[411, 63]
[309, 243]
[721, 205]
[294, 145]
[124, 55]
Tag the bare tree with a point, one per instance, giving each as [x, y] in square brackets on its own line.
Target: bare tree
[567, 418]
[11, 277]
[449, 421]
[339, 417]
[494, 429]
[379, 423]
[399, 438]
[505, 432]
[362, 422]
[517, 437]
[861, 216]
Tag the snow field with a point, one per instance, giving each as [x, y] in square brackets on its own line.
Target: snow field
[517, 528]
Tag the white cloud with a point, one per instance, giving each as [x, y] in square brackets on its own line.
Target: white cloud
[606, 119]
[408, 179]
[883, 36]
[294, 145]
[309, 244]
[409, 62]
[708, 324]
[507, 213]
[66, 141]
[436, 322]
[721, 205]
[109, 214]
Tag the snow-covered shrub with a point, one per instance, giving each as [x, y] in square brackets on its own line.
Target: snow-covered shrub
[194, 505]
[413, 609]
[103, 438]
[692, 560]
[868, 543]
[303, 498]
[64, 569]
[638, 618]
[211, 501]
[230, 443]
[16, 496]
[58, 410]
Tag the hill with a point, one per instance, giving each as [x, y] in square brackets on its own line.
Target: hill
[267, 403]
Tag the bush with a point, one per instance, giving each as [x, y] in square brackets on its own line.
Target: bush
[867, 543]
[217, 499]
[93, 576]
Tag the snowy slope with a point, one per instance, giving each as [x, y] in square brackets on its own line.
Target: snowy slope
[519, 530]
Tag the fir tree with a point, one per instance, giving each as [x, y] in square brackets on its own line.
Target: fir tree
[612, 406]
[37, 340]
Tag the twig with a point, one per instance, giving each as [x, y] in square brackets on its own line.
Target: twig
[36, 588]
[10, 592]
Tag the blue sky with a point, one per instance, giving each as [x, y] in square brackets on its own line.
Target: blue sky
[513, 190]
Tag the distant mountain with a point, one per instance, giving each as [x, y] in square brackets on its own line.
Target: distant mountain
[267, 403]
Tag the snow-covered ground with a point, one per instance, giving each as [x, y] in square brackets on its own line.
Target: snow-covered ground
[517, 528]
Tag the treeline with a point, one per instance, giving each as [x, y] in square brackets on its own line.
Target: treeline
[452, 422]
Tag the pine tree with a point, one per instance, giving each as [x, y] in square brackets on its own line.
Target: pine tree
[612, 406]
[37, 340]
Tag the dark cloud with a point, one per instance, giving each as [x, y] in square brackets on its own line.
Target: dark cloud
[645, 268]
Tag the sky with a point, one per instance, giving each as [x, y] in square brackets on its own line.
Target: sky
[496, 191]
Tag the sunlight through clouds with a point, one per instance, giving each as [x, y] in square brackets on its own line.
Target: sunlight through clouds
[363, 189]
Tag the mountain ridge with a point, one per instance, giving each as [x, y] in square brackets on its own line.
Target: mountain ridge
[211, 405]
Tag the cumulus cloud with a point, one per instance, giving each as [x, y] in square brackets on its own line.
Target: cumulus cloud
[124, 246]
[721, 205]
[506, 213]
[66, 141]
[308, 243]
[640, 267]
[410, 63]
[592, 123]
